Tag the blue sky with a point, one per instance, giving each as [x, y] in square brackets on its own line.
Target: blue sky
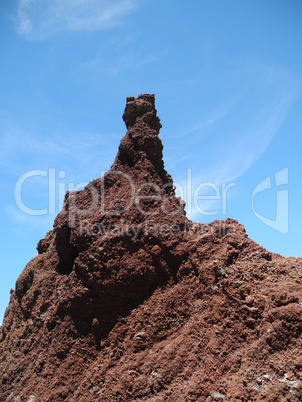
[227, 76]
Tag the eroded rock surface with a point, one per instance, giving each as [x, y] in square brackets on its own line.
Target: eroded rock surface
[128, 300]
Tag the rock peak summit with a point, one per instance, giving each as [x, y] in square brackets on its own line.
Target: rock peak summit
[141, 140]
[142, 107]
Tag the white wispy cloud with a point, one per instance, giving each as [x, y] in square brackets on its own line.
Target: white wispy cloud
[38, 19]
[207, 121]
[45, 159]
[126, 59]
[22, 220]
[18, 143]
[244, 132]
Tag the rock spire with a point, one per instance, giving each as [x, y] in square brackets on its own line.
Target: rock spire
[141, 140]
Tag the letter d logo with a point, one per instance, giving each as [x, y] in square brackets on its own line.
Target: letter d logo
[280, 223]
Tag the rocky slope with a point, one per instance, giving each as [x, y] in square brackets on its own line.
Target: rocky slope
[128, 300]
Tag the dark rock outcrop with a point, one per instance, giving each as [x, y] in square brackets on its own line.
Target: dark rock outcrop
[143, 108]
[141, 140]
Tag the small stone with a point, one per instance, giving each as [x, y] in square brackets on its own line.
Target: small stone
[140, 336]
[249, 300]
[214, 289]
[214, 396]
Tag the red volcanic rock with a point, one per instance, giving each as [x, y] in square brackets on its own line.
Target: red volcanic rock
[142, 107]
[128, 300]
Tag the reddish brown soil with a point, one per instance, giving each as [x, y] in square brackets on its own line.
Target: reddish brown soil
[130, 301]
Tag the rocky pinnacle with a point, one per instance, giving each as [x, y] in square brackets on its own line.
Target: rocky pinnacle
[141, 140]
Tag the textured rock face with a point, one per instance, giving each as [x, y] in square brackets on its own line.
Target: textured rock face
[129, 300]
[141, 140]
[142, 107]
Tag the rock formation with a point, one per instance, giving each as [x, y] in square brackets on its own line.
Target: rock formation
[128, 300]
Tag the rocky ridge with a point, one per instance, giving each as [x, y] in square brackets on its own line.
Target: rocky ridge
[128, 300]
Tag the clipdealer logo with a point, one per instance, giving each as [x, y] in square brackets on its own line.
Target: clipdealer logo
[57, 189]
